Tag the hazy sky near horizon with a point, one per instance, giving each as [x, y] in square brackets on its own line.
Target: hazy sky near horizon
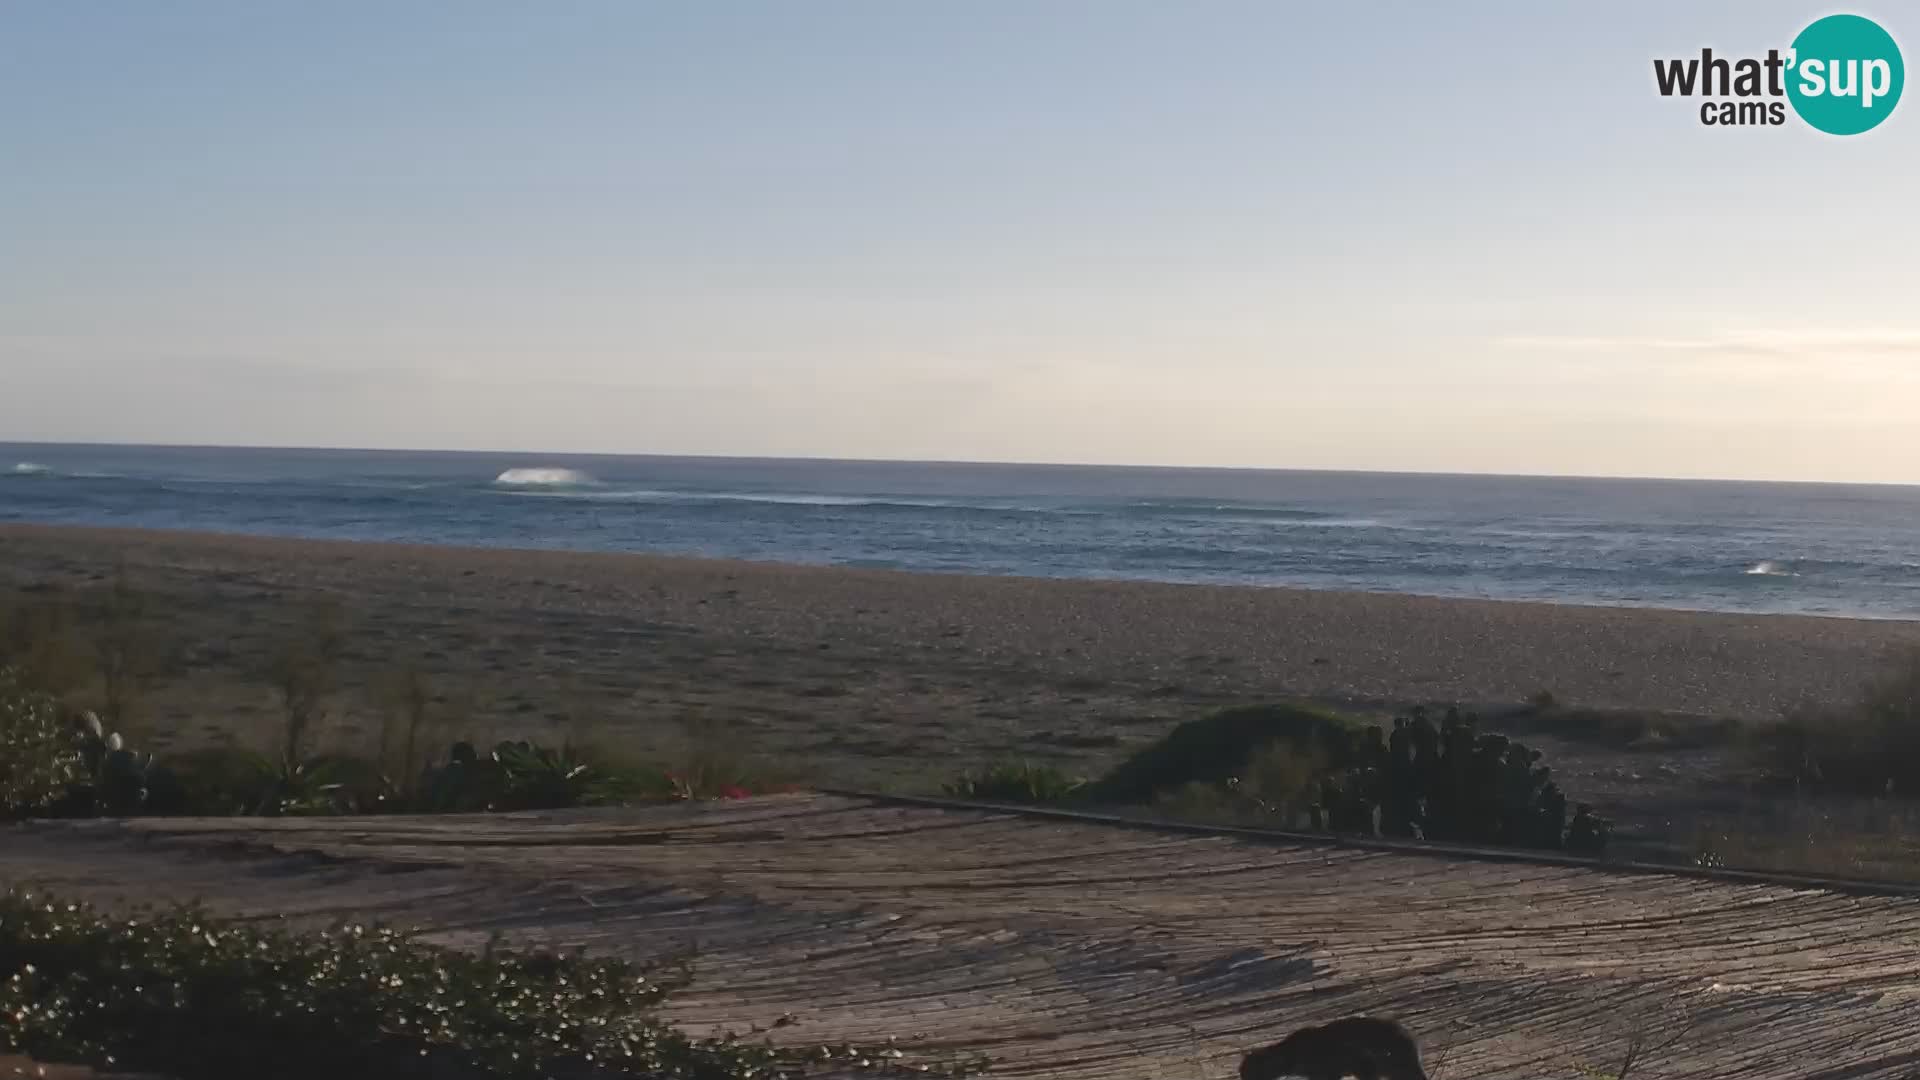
[1457, 237]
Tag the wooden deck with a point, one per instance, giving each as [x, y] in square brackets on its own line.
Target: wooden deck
[1068, 949]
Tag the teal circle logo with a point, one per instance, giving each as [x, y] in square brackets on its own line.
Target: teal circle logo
[1845, 74]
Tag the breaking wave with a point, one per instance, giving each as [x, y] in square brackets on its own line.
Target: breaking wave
[572, 485]
[544, 477]
[1769, 568]
[603, 493]
[30, 468]
[780, 499]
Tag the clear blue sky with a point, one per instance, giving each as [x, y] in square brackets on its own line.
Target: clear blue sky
[1396, 236]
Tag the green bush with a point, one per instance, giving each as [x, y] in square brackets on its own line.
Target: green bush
[1871, 748]
[1015, 782]
[1217, 748]
[1291, 767]
[1283, 781]
[189, 995]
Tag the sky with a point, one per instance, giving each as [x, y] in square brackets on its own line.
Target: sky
[1399, 236]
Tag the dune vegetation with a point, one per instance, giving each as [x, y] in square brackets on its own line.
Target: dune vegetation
[75, 666]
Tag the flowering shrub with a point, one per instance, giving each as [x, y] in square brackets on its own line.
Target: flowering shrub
[38, 755]
[190, 995]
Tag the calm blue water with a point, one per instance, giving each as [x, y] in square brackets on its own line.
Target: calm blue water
[1833, 549]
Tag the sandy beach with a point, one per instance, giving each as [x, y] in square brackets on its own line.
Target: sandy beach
[886, 674]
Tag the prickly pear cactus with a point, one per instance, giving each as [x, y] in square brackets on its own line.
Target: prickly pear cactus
[120, 786]
[1452, 782]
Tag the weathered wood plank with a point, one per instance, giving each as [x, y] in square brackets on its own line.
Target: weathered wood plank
[1083, 950]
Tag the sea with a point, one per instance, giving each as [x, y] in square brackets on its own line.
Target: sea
[1828, 549]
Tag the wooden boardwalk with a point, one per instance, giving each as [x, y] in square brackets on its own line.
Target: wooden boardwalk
[1087, 951]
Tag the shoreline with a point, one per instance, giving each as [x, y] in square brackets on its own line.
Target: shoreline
[134, 534]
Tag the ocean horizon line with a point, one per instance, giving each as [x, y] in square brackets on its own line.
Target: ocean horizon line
[805, 459]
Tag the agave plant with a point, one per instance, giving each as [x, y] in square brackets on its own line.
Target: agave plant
[221, 781]
[307, 787]
[539, 778]
[513, 776]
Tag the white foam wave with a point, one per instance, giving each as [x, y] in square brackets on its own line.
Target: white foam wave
[544, 477]
[592, 490]
[605, 494]
[779, 499]
[1769, 568]
[34, 468]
